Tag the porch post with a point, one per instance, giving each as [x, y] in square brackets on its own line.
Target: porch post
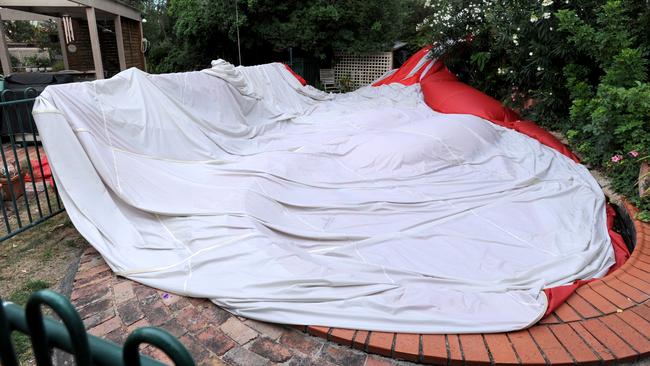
[120, 42]
[94, 42]
[64, 49]
[5, 59]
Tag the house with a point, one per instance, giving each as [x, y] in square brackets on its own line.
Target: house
[97, 37]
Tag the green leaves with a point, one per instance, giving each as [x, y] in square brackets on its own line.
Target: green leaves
[627, 68]
[617, 116]
[583, 63]
[480, 59]
[268, 28]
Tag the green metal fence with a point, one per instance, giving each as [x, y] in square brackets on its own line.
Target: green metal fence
[70, 336]
[28, 194]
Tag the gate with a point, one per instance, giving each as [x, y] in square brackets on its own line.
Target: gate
[70, 336]
[28, 194]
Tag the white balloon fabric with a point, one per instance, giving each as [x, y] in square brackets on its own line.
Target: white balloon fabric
[365, 211]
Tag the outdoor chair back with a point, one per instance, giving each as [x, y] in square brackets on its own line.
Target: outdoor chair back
[328, 80]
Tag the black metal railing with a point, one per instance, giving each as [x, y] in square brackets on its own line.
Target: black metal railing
[69, 335]
[28, 194]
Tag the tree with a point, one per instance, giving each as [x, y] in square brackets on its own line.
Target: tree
[579, 66]
[42, 34]
[20, 31]
[207, 29]
[37, 33]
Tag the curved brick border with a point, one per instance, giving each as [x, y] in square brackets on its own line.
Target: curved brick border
[604, 321]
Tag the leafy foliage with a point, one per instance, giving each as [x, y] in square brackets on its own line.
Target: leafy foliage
[26, 32]
[40, 34]
[624, 171]
[610, 117]
[511, 49]
[202, 30]
[613, 115]
[577, 66]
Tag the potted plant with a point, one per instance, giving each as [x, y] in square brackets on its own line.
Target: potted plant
[11, 179]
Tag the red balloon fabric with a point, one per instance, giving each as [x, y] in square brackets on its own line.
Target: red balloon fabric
[556, 296]
[412, 70]
[300, 78]
[446, 95]
[442, 73]
[37, 168]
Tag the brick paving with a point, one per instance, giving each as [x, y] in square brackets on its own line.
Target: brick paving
[603, 322]
[112, 307]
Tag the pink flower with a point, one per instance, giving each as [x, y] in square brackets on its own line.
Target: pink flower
[617, 158]
[634, 153]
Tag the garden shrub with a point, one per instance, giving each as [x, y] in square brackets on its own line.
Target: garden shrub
[187, 34]
[580, 67]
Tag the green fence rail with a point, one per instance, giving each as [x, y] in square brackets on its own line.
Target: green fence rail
[28, 194]
[70, 336]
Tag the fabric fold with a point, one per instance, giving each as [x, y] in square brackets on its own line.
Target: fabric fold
[365, 210]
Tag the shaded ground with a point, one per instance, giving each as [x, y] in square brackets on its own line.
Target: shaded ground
[44, 257]
[35, 204]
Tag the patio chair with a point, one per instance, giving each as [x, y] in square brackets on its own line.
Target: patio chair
[328, 81]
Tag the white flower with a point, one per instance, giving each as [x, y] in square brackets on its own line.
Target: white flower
[551, 29]
[530, 53]
[546, 15]
[533, 18]
[547, 2]
[539, 68]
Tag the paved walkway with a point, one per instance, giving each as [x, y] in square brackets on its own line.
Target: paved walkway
[604, 322]
[112, 307]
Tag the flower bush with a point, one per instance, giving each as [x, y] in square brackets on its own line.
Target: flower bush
[579, 66]
[624, 169]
